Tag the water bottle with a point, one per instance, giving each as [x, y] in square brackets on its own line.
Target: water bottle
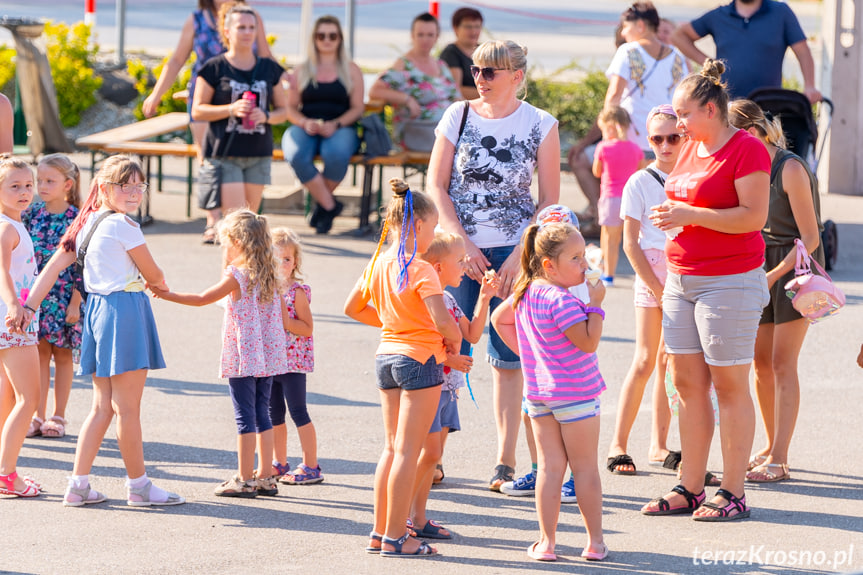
[248, 124]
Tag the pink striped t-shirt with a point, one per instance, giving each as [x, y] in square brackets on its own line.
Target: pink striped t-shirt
[554, 369]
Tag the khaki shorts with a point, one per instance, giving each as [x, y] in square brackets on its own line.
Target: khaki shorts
[714, 315]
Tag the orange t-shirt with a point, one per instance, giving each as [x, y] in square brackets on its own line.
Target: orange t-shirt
[408, 328]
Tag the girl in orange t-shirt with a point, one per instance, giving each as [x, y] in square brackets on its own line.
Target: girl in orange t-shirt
[417, 331]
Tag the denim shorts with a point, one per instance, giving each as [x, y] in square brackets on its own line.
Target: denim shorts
[714, 315]
[400, 371]
[563, 411]
[467, 294]
[251, 170]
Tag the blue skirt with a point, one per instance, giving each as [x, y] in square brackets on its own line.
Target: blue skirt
[119, 335]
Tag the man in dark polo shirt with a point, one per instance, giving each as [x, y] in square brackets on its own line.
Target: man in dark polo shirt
[751, 36]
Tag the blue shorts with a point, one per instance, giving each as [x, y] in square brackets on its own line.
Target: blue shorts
[467, 294]
[448, 409]
[400, 371]
[563, 411]
[251, 399]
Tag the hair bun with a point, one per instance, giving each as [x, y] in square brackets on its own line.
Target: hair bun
[713, 70]
[399, 186]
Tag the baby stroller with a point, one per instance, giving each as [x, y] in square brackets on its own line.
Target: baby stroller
[801, 132]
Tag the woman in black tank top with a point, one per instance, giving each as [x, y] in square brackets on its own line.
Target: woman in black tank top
[325, 100]
[794, 212]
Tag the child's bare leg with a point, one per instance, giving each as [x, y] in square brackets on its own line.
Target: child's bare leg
[529, 436]
[551, 466]
[7, 398]
[428, 458]
[390, 402]
[64, 371]
[94, 427]
[280, 443]
[648, 332]
[416, 412]
[609, 242]
[126, 392]
[265, 447]
[438, 473]
[44, 377]
[309, 444]
[661, 411]
[246, 455]
[581, 439]
[22, 368]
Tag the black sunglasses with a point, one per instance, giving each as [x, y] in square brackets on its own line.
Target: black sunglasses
[488, 72]
[672, 139]
[332, 36]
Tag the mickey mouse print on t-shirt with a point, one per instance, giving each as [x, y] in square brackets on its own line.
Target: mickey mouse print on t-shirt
[483, 160]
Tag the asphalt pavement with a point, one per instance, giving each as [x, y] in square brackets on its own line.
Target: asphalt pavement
[809, 524]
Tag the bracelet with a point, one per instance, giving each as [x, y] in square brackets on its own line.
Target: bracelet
[338, 124]
[28, 308]
[597, 310]
[231, 110]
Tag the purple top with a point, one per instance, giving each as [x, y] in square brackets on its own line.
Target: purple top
[554, 369]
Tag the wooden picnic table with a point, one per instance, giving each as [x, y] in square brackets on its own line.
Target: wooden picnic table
[143, 130]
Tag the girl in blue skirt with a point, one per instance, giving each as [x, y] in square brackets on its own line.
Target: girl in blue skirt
[119, 341]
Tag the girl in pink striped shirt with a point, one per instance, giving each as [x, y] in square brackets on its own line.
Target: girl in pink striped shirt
[556, 336]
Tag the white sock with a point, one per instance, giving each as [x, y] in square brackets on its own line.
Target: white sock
[79, 481]
[157, 494]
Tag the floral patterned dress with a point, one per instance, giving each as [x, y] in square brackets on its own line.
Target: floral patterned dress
[433, 93]
[253, 333]
[301, 349]
[46, 230]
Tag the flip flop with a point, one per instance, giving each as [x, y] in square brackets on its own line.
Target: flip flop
[671, 461]
[432, 530]
[540, 555]
[612, 464]
[593, 556]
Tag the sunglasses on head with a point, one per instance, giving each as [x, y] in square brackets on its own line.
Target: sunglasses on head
[672, 139]
[331, 36]
[488, 72]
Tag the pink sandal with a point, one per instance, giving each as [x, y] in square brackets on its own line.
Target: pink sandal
[35, 427]
[31, 489]
[55, 427]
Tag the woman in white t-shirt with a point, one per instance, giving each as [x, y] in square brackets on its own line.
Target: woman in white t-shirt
[644, 245]
[644, 71]
[481, 168]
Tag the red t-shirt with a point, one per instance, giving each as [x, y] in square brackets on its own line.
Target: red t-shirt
[709, 183]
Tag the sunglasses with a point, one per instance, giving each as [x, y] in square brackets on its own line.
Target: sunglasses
[332, 36]
[488, 73]
[672, 139]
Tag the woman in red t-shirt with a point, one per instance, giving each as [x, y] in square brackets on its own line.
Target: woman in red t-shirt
[716, 288]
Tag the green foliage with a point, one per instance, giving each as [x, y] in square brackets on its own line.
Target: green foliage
[144, 80]
[575, 104]
[70, 55]
[7, 68]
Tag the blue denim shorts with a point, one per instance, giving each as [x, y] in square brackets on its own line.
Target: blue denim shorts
[467, 294]
[400, 371]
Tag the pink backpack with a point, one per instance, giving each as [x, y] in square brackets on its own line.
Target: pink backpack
[814, 297]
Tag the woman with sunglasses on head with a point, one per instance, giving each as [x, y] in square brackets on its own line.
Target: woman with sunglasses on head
[240, 94]
[325, 99]
[480, 173]
[200, 35]
[718, 195]
[419, 86]
[644, 245]
[795, 212]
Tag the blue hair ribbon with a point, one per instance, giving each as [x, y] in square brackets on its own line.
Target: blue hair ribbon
[408, 227]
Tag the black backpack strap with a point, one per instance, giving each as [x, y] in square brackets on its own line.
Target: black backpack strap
[82, 249]
[656, 176]
[463, 120]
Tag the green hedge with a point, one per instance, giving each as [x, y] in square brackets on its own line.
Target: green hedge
[575, 104]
